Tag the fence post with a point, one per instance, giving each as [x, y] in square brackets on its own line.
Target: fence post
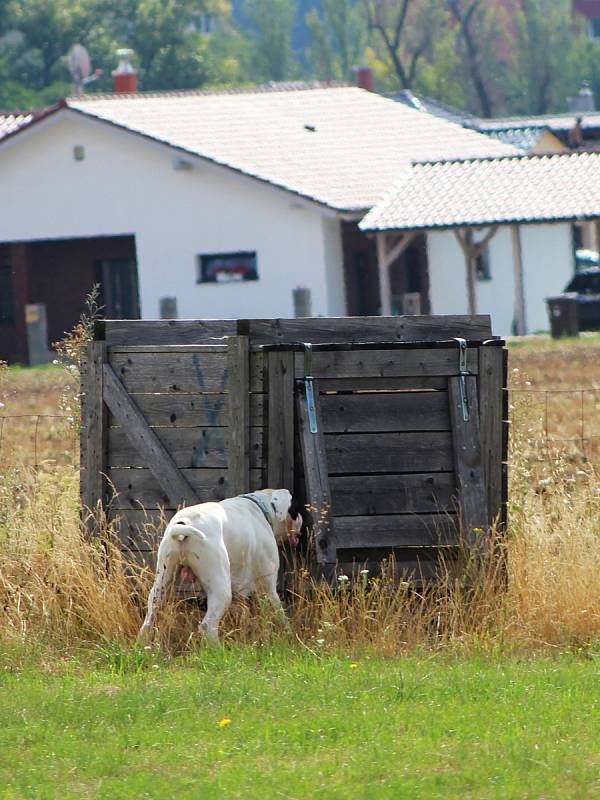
[94, 427]
[238, 382]
[280, 430]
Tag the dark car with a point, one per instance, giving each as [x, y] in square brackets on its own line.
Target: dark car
[586, 285]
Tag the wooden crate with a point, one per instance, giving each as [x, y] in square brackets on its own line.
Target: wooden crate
[176, 412]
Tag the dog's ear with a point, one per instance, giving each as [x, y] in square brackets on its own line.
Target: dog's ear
[280, 503]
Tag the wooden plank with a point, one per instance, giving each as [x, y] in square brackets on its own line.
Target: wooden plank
[280, 435]
[402, 530]
[377, 384]
[138, 488]
[239, 414]
[192, 410]
[490, 415]
[368, 329]
[365, 453]
[198, 448]
[171, 372]
[316, 478]
[93, 484]
[139, 529]
[163, 332]
[202, 349]
[399, 411]
[387, 363]
[145, 442]
[468, 464]
[364, 495]
[167, 372]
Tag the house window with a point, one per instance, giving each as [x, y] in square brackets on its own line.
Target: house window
[594, 29]
[482, 265]
[7, 300]
[227, 268]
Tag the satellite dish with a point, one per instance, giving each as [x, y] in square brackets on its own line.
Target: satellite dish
[80, 65]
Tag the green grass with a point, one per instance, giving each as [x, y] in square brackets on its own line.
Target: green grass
[301, 726]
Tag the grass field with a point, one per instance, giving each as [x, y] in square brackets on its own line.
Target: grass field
[257, 723]
[476, 690]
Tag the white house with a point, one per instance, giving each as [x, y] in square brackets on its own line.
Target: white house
[227, 201]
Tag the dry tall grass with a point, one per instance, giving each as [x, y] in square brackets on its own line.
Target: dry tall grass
[59, 590]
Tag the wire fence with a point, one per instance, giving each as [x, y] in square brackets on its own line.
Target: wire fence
[38, 441]
[551, 420]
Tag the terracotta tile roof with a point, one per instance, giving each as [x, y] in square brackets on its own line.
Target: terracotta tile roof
[448, 194]
[338, 145]
[556, 122]
[523, 139]
[11, 122]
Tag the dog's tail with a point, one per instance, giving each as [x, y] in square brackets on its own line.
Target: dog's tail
[183, 530]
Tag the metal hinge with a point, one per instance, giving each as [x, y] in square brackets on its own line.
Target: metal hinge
[463, 372]
[309, 389]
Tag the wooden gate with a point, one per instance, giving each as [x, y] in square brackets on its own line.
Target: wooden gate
[177, 412]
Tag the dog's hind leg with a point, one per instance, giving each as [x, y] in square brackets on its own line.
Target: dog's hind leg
[217, 604]
[164, 575]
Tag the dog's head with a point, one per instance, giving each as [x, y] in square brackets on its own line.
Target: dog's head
[287, 520]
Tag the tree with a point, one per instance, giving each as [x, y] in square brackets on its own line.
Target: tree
[339, 38]
[407, 30]
[551, 56]
[271, 36]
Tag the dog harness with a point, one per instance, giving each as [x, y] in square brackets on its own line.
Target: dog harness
[254, 499]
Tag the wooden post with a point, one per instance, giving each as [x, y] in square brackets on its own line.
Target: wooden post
[468, 463]
[387, 253]
[280, 454]
[520, 318]
[94, 427]
[238, 383]
[490, 424]
[385, 288]
[316, 477]
[19, 262]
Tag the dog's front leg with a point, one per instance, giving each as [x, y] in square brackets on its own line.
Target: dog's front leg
[158, 593]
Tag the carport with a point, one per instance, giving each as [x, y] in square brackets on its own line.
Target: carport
[473, 198]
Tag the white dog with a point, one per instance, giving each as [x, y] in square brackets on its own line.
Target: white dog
[228, 547]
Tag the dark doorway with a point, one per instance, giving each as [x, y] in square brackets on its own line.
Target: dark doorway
[117, 281]
[408, 274]
[60, 274]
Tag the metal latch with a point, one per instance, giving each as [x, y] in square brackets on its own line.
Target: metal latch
[463, 372]
[309, 389]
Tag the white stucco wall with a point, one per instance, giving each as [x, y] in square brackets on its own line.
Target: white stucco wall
[128, 186]
[547, 264]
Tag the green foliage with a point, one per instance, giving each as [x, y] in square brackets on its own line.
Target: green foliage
[490, 58]
[272, 57]
[339, 36]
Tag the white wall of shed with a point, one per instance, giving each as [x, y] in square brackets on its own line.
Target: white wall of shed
[126, 185]
[547, 265]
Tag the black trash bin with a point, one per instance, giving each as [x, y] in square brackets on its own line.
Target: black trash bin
[562, 311]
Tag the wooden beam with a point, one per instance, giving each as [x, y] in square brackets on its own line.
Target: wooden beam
[468, 464]
[387, 253]
[385, 288]
[520, 315]
[239, 414]
[94, 434]
[146, 442]
[280, 458]
[396, 250]
[316, 476]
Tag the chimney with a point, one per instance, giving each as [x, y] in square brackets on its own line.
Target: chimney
[583, 100]
[125, 76]
[364, 78]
